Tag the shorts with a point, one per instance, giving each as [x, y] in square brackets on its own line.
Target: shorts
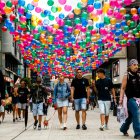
[104, 107]
[37, 109]
[80, 104]
[62, 103]
[1, 108]
[22, 105]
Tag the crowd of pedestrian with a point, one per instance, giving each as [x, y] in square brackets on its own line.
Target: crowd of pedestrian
[80, 93]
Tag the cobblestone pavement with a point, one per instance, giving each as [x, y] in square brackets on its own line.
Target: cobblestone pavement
[8, 129]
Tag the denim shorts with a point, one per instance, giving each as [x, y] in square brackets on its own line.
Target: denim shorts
[80, 104]
[22, 105]
[38, 109]
[1, 108]
[62, 103]
[104, 107]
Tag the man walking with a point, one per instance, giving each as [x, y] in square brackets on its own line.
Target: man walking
[103, 87]
[131, 87]
[80, 93]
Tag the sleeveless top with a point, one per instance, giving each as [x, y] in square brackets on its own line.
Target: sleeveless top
[133, 85]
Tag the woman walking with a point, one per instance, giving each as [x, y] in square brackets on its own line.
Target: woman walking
[61, 94]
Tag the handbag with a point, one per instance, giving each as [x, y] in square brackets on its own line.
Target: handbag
[121, 116]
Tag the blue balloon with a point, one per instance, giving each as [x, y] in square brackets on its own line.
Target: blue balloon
[97, 25]
[123, 23]
[84, 22]
[30, 7]
[117, 39]
[101, 25]
[118, 25]
[117, 33]
[139, 10]
[45, 22]
[21, 3]
[47, 13]
[97, 5]
[28, 15]
[61, 16]
[90, 2]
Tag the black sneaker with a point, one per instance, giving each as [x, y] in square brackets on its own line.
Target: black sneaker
[13, 120]
[39, 127]
[78, 126]
[35, 124]
[84, 127]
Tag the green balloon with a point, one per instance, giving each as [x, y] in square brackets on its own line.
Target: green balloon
[54, 9]
[127, 17]
[88, 34]
[106, 20]
[77, 20]
[90, 27]
[88, 39]
[42, 15]
[68, 22]
[51, 17]
[138, 27]
[79, 5]
[36, 36]
[134, 31]
[126, 28]
[84, 15]
[132, 24]
[8, 4]
[50, 2]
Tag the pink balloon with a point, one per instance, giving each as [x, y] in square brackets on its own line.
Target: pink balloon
[135, 17]
[83, 29]
[21, 10]
[2, 4]
[62, 2]
[71, 15]
[67, 8]
[34, 3]
[99, 11]
[22, 19]
[110, 12]
[70, 29]
[90, 8]
[38, 9]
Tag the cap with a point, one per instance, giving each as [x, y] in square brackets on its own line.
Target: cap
[132, 61]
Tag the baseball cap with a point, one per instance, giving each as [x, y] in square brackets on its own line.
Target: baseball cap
[132, 61]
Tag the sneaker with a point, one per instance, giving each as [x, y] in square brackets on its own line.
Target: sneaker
[138, 137]
[16, 118]
[106, 127]
[35, 124]
[61, 126]
[65, 127]
[13, 120]
[102, 128]
[78, 126]
[84, 127]
[39, 127]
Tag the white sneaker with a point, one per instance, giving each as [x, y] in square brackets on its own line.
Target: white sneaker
[61, 126]
[102, 128]
[106, 127]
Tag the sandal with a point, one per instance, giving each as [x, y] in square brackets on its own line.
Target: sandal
[126, 134]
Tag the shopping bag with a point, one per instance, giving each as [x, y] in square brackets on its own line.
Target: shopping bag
[121, 115]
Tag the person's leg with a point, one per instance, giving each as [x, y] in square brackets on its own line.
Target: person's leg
[65, 110]
[135, 111]
[60, 115]
[35, 115]
[77, 107]
[125, 126]
[14, 110]
[40, 119]
[83, 103]
[19, 110]
[107, 110]
[102, 114]
[77, 116]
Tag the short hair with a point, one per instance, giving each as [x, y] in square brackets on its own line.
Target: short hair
[101, 70]
[38, 78]
[78, 69]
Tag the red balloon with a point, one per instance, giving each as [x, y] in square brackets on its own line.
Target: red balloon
[4, 28]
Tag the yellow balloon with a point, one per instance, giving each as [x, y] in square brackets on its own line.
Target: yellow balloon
[106, 6]
[84, 1]
[95, 18]
[76, 31]
[59, 9]
[77, 11]
[35, 0]
[34, 23]
[113, 21]
[56, 26]
[34, 18]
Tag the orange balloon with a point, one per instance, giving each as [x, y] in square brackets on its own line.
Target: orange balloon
[123, 11]
[84, 1]
[7, 10]
[113, 21]
[133, 11]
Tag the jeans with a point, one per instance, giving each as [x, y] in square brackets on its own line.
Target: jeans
[133, 116]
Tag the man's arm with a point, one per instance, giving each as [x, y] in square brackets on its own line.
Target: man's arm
[72, 93]
[94, 87]
[123, 87]
[114, 94]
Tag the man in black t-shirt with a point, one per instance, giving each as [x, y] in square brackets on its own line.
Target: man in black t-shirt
[103, 87]
[23, 95]
[80, 93]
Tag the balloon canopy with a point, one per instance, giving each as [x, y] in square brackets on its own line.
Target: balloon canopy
[62, 35]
